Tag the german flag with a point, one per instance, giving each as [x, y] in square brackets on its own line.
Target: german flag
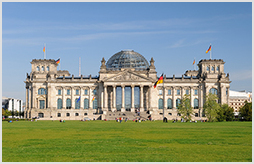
[44, 49]
[209, 49]
[160, 80]
[58, 61]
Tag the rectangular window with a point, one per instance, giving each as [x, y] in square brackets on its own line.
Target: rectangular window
[196, 92]
[160, 92]
[169, 92]
[86, 92]
[178, 91]
[59, 92]
[77, 92]
[58, 114]
[187, 92]
[68, 91]
[42, 104]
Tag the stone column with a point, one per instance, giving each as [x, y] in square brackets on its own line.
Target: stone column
[63, 98]
[72, 99]
[150, 97]
[105, 97]
[191, 97]
[27, 103]
[48, 102]
[123, 106]
[90, 98]
[141, 98]
[164, 97]
[33, 97]
[132, 98]
[173, 98]
[114, 98]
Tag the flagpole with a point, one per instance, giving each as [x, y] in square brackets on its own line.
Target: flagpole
[210, 51]
[45, 51]
[163, 97]
[59, 65]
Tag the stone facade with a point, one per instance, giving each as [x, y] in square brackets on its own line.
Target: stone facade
[54, 94]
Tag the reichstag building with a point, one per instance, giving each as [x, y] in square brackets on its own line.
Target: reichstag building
[124, 88]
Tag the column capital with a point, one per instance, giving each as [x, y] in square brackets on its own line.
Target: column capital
[132, 86]
[122, 85]
[141, 86]
[114, 86]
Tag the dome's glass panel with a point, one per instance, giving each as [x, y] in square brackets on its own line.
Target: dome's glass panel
[127, 59]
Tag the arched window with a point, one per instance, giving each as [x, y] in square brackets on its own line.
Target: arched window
[213, 91]
[178, 101]
[47, 68]
[59, 104]
[86, 104]
[42, 91]
[170, 105]
[94, 91]
[68, 104]
[37, 68]
[217, 68]
[42, 68]
[95, 104]
[212, 68]
[77, 104]
[195, 103]
[207, 68]
[160, 103]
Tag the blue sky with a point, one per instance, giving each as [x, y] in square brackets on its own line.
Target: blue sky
[172, 33]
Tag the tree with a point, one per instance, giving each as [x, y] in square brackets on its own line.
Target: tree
[211, 107]
[184, 108]
[246, 111]
[225, 113]
[3, 112]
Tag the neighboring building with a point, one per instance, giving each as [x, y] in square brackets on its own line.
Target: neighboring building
[237, 100]
[123, 87]
[12, 104]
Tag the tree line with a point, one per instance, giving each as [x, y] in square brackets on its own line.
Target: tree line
[213, 110]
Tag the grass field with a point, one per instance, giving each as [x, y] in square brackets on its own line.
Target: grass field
[109, 141]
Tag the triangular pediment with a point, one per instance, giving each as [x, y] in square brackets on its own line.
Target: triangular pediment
[128, 75]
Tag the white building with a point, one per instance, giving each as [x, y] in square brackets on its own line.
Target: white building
[237, 100]
[12, 104]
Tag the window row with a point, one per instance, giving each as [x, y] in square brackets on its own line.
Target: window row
[68, 114]
[77, 103]
[212, 68]
[178, 114]
[178, 101]
[68, 91]
[178, 92]
[42, 68]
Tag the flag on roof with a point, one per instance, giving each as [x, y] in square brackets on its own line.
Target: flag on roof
[209, 49]
[93, 99]
[193, 62]
[160, 80]
[58, 61]
[44, 49]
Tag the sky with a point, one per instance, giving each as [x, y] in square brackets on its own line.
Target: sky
[173, 33]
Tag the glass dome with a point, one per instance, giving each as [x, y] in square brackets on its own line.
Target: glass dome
[127, 59]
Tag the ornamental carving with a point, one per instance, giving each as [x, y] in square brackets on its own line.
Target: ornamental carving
[126, 77]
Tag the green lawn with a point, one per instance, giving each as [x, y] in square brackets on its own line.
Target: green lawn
[109, 141]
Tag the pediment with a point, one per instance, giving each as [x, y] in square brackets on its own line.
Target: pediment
[128, 76]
